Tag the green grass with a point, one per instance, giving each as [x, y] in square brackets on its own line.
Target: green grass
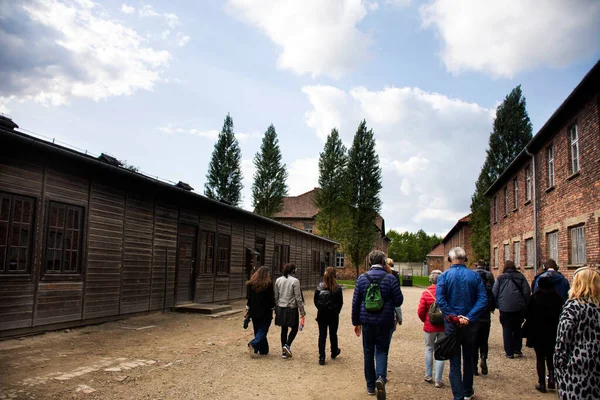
[349, 284]
[422, 281]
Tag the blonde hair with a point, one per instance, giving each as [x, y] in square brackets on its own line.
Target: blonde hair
[389, 265]
[586, 286]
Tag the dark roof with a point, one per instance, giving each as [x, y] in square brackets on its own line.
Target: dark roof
[79, 156]
[110, 160]
[184, 186]
[589, 86]
[461, 222]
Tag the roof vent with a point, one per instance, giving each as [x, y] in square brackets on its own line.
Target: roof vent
[225, 201]
[7, 123]
[110, 160]
[184, 186]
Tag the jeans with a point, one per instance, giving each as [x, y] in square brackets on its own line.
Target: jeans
[261, 328]
[511, 331]
[376, 344]
[544, 355]
[462, 384]
[481, 341]
[332, 322]
[288, 339]
[430, 339]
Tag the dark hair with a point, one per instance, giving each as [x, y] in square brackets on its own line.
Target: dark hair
[509, 264]
[481, 263]
[288, 269]
[550, 263]
[260, 280]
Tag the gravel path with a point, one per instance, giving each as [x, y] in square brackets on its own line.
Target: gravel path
[194, 357]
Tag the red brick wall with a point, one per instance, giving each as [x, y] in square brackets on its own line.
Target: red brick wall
[435, 262]
[574, 199]
[461, 238]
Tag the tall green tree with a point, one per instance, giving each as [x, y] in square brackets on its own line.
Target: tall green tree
[410, 247]
[512, 131]
[363, 187]
[331, 198]
[269, 187]
[224, 177]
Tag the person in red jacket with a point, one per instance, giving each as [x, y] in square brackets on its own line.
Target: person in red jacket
[433, 333]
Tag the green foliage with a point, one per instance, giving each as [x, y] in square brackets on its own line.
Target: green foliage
[512, 131]
[224, 177]
[410, 247]
[269, 187]
[332, 220]
[363, 187]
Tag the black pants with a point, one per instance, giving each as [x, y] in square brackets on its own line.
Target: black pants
[511, 331]
[288, 338]
[481, 341]
[543, 357]
[331, 321]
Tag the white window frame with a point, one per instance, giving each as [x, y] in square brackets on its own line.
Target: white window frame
[528, 183]
[530, 252]
[551, 166]
[578, 248]
[339, 260]
[308, 227]
[552, 244]
[574, 148]
[506, 252]
[516, 193]
[517, 252]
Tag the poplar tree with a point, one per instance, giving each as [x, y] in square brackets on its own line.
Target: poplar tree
[269, 187]
[363, 187]
[512, 131]
[331, 198]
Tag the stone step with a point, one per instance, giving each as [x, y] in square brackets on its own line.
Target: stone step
[225, 313]
[208, 308]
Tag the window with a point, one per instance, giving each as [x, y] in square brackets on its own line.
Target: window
[259, 246]
[574, 140]
[223, 255]
[578, 245]
[516, 193]
[308, 227]
[495, 257]
[63, 239]
[285, 254]
[551, 166]
[517, 249]
[339, 260]
[495, 208]
[16, 220]
[552, 240]
[506, 201]
[506, 252]
[316, 261]
[530, 252]
[528, 183]
[207, 252]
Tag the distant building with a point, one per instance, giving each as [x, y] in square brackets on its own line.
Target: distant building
[546, 204]
[435, 258]
[459, 235]
[301, 212]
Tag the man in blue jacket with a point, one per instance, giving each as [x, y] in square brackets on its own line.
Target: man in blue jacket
[461, 294]
[560, 283]
[376, 327]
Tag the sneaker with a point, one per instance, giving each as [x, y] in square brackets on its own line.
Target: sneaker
[251, 351]
[510, 356]
[380, 388]
[470, 397]
[321, 361]
[484, 368]
[439, 384]
[540, 388]
[518, 354]
[371, 392]
[287, 351]
[428, 379]
[337, 353]
[283, 355]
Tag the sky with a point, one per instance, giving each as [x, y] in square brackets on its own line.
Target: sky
[150, 82]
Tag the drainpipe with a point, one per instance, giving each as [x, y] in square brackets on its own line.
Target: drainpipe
[534, 201]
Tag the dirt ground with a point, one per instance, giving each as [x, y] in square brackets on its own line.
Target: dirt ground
[185, 356]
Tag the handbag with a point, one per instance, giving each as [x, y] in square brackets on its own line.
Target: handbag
[446, 348]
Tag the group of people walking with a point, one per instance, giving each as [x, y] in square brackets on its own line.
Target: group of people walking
[560, 323]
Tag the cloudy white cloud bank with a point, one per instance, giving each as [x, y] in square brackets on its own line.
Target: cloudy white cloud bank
[431, 148]
[503, 38]
[316, 37]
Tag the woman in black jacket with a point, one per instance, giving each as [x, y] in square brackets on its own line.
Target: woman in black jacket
[542, 314]
[329, 301]
[259, 307]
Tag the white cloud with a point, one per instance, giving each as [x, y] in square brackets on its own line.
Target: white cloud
[503, 38]
[147, 11]
[303, 175]
[182, 39]
[171, 129]
[431, 147]
[316, 37]
[65, 50]
[127, 9]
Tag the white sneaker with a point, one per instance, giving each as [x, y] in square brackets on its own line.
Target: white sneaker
[428, 379]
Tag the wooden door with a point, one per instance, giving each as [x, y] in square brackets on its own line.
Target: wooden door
[186, 262]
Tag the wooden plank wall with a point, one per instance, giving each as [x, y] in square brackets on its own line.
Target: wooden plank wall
[221, 288]
[164, 251]
[238, 260]
[205, 282]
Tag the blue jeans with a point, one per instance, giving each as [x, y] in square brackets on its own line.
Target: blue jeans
[511, 331]
[430, 339]
[462, 383]
[261, 328]
[376, 344]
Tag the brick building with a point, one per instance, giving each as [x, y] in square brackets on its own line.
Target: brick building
[435, 258]
[546, 204]
[459, 235]
[301, 212]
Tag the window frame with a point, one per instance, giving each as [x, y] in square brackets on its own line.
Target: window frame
[529, 252]
[316, 261]
[553, 255]
[309, 227]
[528, 188]
[506, 252]
[260, 245]
[222, 250]
[496, 257]
[53, 275]
[339, 259]
[5, 273]
[577, 249]
[204, 253]
[574, 154]
[517, 254]
[550, 165]
[516, 193]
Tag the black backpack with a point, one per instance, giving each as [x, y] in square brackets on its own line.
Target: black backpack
[325, 300]
[487, 282]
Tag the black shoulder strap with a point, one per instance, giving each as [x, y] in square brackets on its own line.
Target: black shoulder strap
[517, 285]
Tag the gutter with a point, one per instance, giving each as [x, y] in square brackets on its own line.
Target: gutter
[534, 201]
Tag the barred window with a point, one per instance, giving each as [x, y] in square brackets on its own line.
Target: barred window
[552, 240]
[578, 255]
[16, 233]
[528, 183]
[506, 252]
[574, 140]
[64, 233]
[517, 258]
[551, 166]
[223, 254]
[207, 252]
[530, 251]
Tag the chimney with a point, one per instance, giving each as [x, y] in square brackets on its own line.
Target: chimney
[184, 186]
[7, 123]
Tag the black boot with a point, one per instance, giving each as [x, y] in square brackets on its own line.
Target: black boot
[551, 381]
[540, 388]
[484, 367]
